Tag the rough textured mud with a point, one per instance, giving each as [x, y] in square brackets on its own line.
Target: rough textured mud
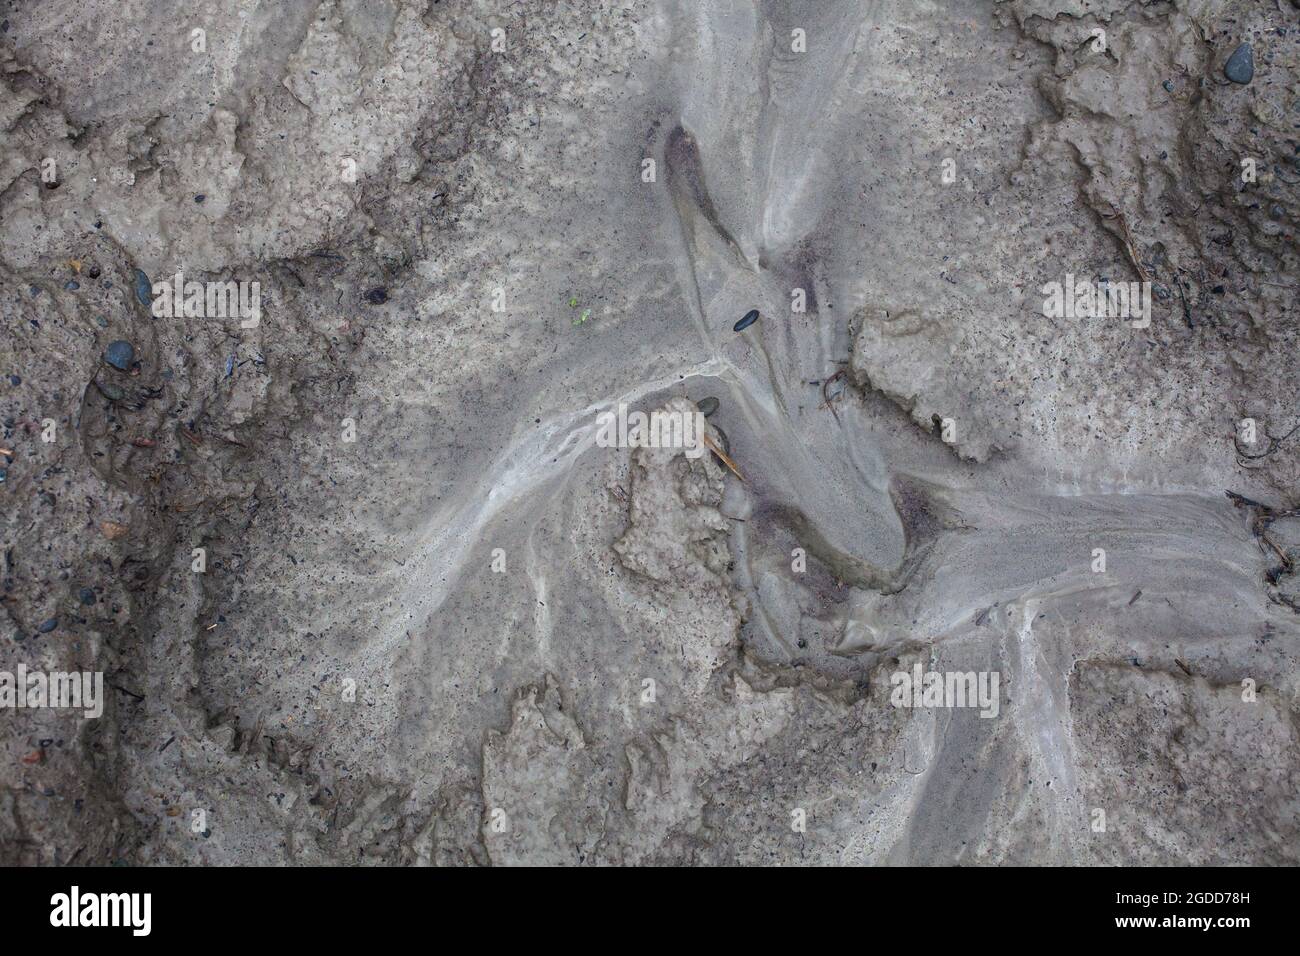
[439, 623]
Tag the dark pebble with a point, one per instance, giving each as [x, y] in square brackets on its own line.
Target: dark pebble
[120, 355]
[1168, 85]
[377, 296]
[87, 596]
[1240, 67]
[4, 475]
[15, 380]
[49, 625]
[708, 405]
[143, 288]
[72, 285]
[750, 318]
[200, 197]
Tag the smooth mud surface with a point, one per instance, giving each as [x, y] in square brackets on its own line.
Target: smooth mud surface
[439, 622]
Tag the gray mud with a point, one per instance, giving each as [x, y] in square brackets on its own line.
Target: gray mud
[472, 635]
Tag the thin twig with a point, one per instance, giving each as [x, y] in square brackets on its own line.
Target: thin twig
[723, 457]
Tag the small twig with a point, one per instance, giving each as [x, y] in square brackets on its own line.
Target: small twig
[125, 691]
[723, 457]
[1129, 245]
[1182, 294]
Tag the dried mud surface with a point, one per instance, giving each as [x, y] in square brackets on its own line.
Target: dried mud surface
[472, 636]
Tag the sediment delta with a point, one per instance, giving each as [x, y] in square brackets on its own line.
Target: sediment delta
[365, 588]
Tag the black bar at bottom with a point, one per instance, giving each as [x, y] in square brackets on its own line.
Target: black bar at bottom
[338, 906]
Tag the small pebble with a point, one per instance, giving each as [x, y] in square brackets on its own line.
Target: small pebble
[750, 318]
[120, 355]
[707, 405]
[143, 288]
[200, 197]
[110, 391]
[49, 625]
[87, 596]
[72, 285]
[1240, 67]
[377, 296]
[15, 380]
